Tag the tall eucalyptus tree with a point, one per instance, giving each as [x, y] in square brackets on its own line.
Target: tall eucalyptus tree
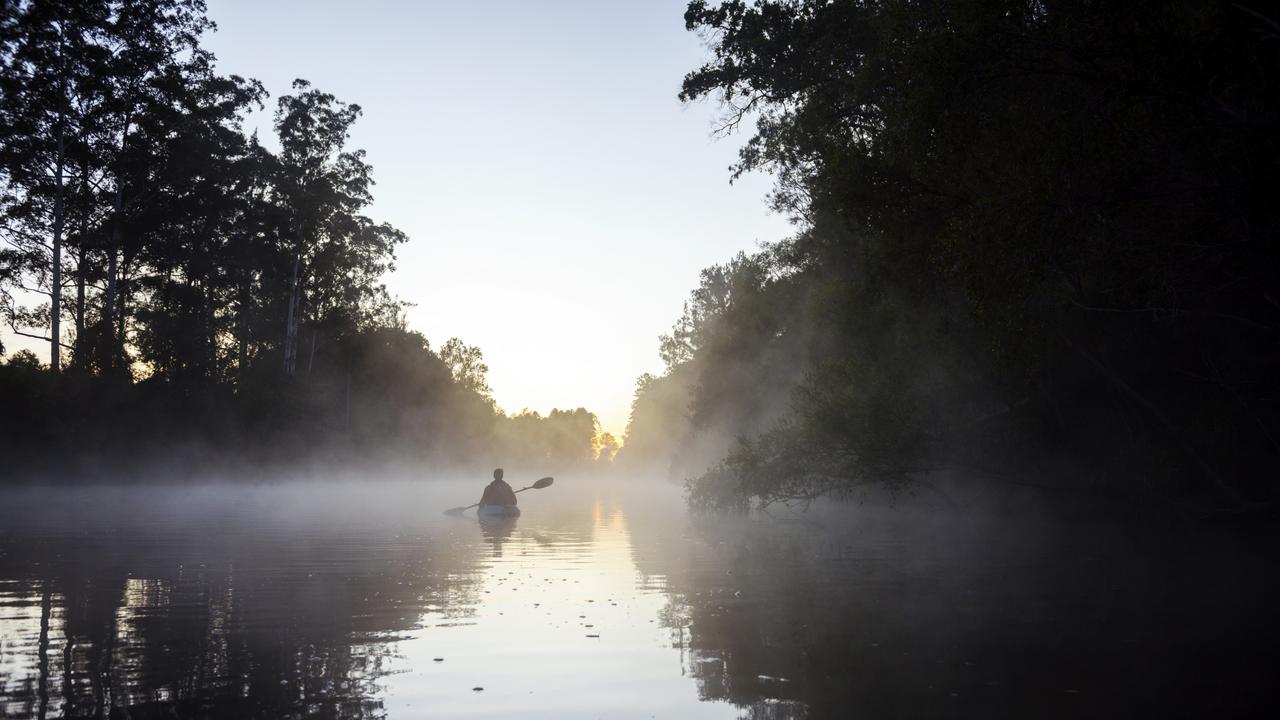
[338, 254]
[155, 69]
[49, 63]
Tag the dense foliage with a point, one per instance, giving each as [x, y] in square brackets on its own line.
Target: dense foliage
[1035, 239]
[196, 290]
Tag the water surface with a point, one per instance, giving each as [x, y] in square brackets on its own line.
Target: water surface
[606, 599]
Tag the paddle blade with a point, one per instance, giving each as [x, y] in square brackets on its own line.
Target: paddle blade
[544, 482]
[456, 512]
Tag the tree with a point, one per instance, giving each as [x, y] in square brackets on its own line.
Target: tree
[49, 64]
[466, 364]
[26, 360]
[1011, 215]
[200, 188]
[155, 73]
[193, 264]
[605, 447]
[338, 253]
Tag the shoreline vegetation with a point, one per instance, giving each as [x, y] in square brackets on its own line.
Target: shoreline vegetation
[1035, 244]
[214, 304]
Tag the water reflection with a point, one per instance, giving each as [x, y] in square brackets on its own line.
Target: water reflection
[352, 601]
[497, 531]
[882, 612]
[232, 610]
[565, 627]
[332, 601]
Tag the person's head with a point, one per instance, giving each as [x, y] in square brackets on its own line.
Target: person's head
[497, 474]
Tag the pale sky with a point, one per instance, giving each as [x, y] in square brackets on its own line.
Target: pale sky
[558, 198]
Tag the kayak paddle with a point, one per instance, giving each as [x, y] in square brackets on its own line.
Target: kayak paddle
[544, 482]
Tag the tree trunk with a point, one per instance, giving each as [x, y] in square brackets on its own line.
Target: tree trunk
[78, 358]
[311, 358]
[55, 302]
[243, 298]
[109, 300]
[242, 326]
[211, 331]
[291, 325]
[122, 297]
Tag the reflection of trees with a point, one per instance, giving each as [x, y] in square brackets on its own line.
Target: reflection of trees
[811, 619]
[735, 641]
[216, 621]
[892, 615]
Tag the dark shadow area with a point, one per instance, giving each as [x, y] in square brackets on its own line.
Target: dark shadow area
[864, 611]
[1035, 242]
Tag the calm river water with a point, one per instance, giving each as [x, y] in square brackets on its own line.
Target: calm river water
[606, 599]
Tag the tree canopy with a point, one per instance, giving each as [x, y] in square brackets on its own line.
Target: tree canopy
[1027, 233]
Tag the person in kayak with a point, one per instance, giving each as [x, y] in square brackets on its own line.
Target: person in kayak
[498, 492]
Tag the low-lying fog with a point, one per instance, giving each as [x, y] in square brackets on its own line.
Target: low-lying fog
[357, 597]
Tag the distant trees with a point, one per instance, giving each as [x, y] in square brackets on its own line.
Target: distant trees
[562, 438]
[1030, 235]
[605, 448]
[466, 364]
[24, 359]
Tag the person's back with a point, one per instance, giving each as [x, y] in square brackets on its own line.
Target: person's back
[498, 492]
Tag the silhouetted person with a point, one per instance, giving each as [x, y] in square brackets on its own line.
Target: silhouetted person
[498, 492]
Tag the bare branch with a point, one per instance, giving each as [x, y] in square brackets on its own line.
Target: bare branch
[1177, 311]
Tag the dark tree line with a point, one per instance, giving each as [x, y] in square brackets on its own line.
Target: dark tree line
[1036, 240]
[191, 285]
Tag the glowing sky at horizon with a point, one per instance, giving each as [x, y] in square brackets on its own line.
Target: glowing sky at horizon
[558, 198]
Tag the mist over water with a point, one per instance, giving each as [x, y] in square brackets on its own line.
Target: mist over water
[607, 598]
[989, 430]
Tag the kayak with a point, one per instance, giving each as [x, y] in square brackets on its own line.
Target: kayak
[498, 511]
